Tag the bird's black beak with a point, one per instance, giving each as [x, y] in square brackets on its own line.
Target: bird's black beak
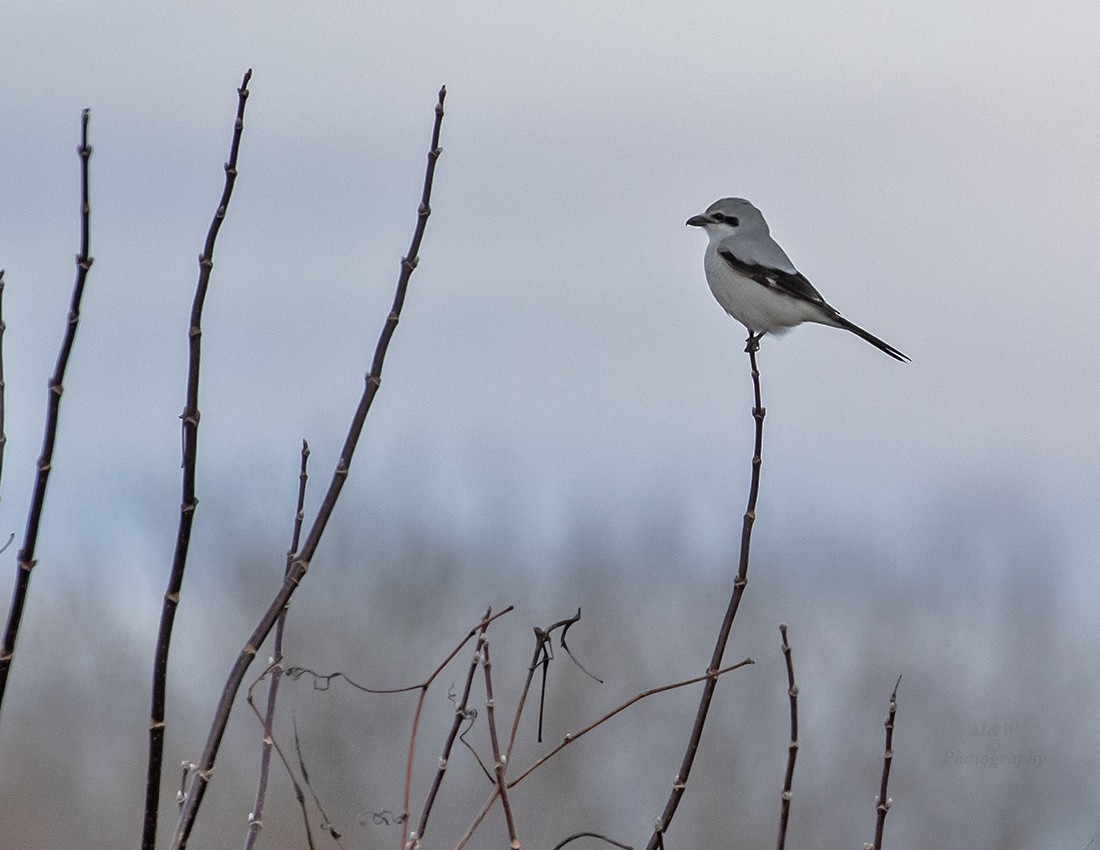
[698, 221]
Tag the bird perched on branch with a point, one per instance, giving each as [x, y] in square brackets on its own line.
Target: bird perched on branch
[756, 282]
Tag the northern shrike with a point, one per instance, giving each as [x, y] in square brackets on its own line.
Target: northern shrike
[755, 281]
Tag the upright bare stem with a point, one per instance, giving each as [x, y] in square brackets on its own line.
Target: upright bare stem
[3, 387]
[189, 502]
[500, 761]
[882, 804]
[300, 565]
[679, 784]
[255, 818]
[25, 559]
[792, 752]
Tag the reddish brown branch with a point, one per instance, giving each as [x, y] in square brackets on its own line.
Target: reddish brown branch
[25, 559]
[188, 503]
[679, 784]
[301, 562]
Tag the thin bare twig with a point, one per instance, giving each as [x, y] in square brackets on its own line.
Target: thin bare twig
[301, 563]
[882, 804]
[792, 752]
[25, 559]
[299, 794]
[255, 817]
[417, 836]
[190, 419]
[572, 737]
[326, 824]
[500, 761]
[679, 784]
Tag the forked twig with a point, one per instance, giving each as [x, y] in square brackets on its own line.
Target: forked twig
[255, 817]
[301, 562]
[25, 559]
[575, 736]
[417, 836]
[190, 418]
[541, 660]
[299, 794]
[271, 743]
[679, 784]
[792, 752]
[882, 804]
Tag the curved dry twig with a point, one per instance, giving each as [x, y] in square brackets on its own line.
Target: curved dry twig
[301, 562]
[25, 559]
[188, 503]
[883, 803]
[792, 752]
[595, 835]
[679, 784]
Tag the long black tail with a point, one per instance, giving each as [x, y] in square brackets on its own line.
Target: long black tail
[871, 338]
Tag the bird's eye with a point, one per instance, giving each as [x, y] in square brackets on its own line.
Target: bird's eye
[731, 220]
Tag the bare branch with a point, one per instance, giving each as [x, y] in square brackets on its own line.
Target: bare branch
[301, 562]
[255, 817]
[792, 752]
[25, 559]
[679, 784]
[500, 761]
[416, 837]
[189, 502]
[882, 804]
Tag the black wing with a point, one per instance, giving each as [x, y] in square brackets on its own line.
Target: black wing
[794, 285]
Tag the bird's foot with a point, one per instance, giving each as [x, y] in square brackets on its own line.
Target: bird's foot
[752, 344]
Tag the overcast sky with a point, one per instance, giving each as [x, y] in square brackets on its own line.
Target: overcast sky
[931, 170]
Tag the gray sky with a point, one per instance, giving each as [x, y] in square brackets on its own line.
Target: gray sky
[929, 169]
[932, 169]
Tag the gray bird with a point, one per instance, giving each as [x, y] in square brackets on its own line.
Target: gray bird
[756, 282]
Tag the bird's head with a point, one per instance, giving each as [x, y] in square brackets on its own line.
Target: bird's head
[730, 216]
